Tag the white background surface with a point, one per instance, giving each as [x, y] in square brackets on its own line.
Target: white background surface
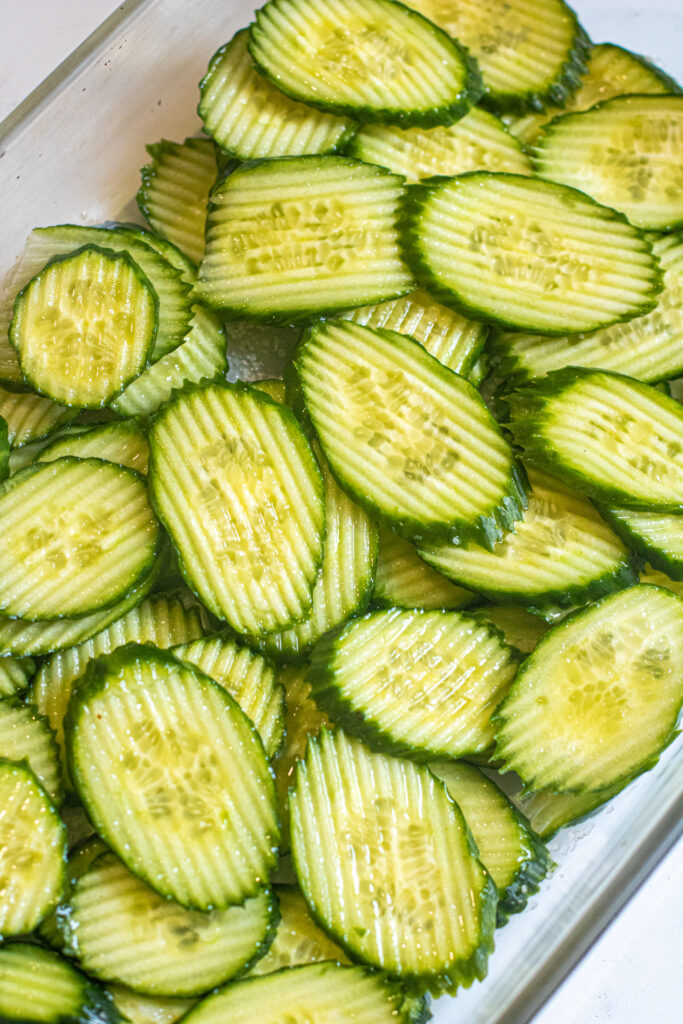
[633, 974]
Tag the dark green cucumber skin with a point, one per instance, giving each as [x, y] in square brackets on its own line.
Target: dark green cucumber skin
[93, 680]
[340, 710]
[658, 559]
[528, 880]
[445, 981]
[148, 174]
[526, 420]
[4, 449]
[238, 386]
[417, 198]
[487, 530]
[499, 719]
[226, 151]
[430, 117]
[97, 1007]
[112, 254]
[145, 571]
[559, 91]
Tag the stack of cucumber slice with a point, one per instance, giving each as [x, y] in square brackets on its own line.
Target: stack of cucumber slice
[271, 646]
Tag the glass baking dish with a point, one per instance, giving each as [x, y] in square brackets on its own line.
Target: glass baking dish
[72, 152]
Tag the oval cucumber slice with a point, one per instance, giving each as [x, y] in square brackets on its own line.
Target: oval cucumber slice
[26, 736]
[38, 987]
[174, 776]
[403, 580]
[599, 698]
[123, 443]
[655, 536]
[31, 417]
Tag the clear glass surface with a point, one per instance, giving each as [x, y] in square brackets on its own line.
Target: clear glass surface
[72, 153]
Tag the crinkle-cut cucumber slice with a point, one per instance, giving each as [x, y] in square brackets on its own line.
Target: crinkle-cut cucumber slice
[344, 585]
[530, 52]
[85, 520]
[139, 1009]
[160, 620]
[562, 553]
[252, 119]
[31, 417]
[548, 812]
[403, 580]
[38, 987]
[520, 628]
[612, 71]
[373, 60]
[401, 887]
[511, 851]
[409, 440]
[614, 438]
[422, 684]
[627, 152]
[649, 348]
[15, 675]
[599, 698]
[248, 677]
[293, 238]
[173, 292]
[200, 356]
[479, 141]
[655, 536]
[123, 931]
[32, 852]
[79, 860]
[26, 736]
[84, 326]
[298, 939]
[303, 719]
[327, 993]
[452, 339]
[174, 777]
[123, 443]
[20, 637]
[236, 484]
[527, 254]
[174, 195]
[171, 253]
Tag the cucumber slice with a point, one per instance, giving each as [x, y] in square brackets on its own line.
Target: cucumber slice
[614, 438]
[513, 854]
[201, 356]
[31, 417]
[26, 736]
[312, 992]
[298, 939]
[4, 450]
[294, 238]
[562, 554]
[531, 255]
[303, 719]
[32, 852]
[660, 579]
[20, 637]
[90, 522]
[80, 858]
[397, 429]
[123, 931]
[403, 580]
[15, 675]
[649, 347]
[122, 443]
[84, 326]
[521, 629]
[251, 119]
[548, 812]
[162, 621]
[479, 141]
[371, 59]
[627, 152]
[174, 195]
[236, 485]
[401, 886]
[248, 678]
[655, 536]
[599, 698]
[449, 337]
[531, 52]
[139, 1009]
[344, 585]
[38, 987]
[414, 683]
[612, 71]
[173, 776]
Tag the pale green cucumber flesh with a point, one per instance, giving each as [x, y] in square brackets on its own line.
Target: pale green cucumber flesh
[123, 443]
[38, 987]
[298, 939]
